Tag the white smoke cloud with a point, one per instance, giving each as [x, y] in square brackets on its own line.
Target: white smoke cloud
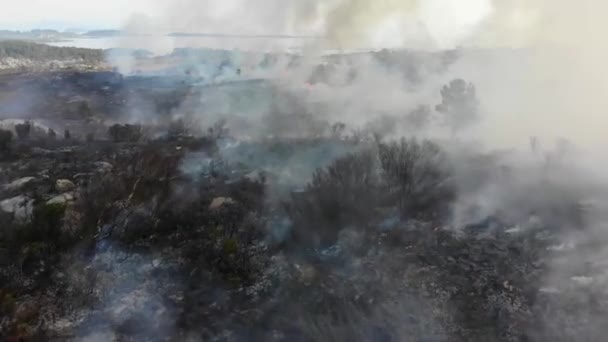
[553, 87]
[345, 23]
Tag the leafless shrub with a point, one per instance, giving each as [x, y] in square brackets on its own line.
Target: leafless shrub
[337, 130]
[23, 130]
[344, 193]
[177, 129]
[218, 130]
[125, 204]
[51, 134]
[6, 138]
[90, 137]
[417, 176]
[125, 133]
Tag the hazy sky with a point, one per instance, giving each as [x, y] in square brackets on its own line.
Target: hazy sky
[87, 14]
[61, 14]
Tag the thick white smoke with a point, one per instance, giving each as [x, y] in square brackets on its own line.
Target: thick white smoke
[537, 64]
[344, 23]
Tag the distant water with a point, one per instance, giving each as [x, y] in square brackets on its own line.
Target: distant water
[161, 45]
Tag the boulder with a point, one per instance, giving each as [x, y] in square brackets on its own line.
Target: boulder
[103, 167]
[18, 184]
[61, 199]
[21, 207]
[64, 185]
[306, 273]
[220, 202]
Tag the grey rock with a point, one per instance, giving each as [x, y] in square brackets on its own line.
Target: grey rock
[18, 184]
[61, 199]
[64, 185]
[21, 207]
[220, 202]
[103, 167]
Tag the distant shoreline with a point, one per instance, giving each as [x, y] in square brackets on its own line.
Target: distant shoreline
[228, 35]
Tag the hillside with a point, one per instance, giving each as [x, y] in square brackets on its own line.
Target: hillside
[19, 55]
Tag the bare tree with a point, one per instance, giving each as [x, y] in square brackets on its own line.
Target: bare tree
[125, 133]
[23, 130]
[337, 130]
[218, 130]
[6, 137]
[417, 176]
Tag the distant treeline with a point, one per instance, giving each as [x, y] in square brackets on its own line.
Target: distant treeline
[41, 52]
[104, 33]
[36, 35]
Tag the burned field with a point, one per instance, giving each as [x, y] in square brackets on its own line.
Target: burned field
[172, 229]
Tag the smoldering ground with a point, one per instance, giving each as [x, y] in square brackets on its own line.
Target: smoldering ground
[376, 238]
[539, 62]
[523, 73]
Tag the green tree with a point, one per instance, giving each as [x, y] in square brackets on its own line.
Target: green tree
[459, 104]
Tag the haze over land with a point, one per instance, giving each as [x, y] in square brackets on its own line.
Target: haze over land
[287, 170]
[556, 78]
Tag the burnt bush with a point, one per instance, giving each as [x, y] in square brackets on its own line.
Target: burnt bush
[151, 163]
[6, 138]
[84, 110]
[337, 130]
[218, 130]
[45, 225]
[98, 199]
[177, 129]
[52, 134]
[90, 137]
[344, 193]
[125, 133]
[23, 130]
[417, 177]
[141, 177]
[409, 177]
[145, 202]
[219, 226]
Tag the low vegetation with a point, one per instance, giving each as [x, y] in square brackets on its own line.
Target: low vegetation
[319, 232]
[40, 52]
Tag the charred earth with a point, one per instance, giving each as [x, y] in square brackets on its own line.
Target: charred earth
[173, 230]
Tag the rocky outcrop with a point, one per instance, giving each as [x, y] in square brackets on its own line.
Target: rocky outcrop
[103, 167]
[20, 207]
[18, 184]
[220, 202]
[62, 199]
[64, 185]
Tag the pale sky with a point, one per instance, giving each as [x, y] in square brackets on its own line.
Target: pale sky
[61, 14]
[447, 21]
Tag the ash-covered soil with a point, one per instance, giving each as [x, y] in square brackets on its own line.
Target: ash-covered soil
[167, 231]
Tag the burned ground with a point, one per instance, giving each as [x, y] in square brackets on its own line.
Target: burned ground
[161, 232]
